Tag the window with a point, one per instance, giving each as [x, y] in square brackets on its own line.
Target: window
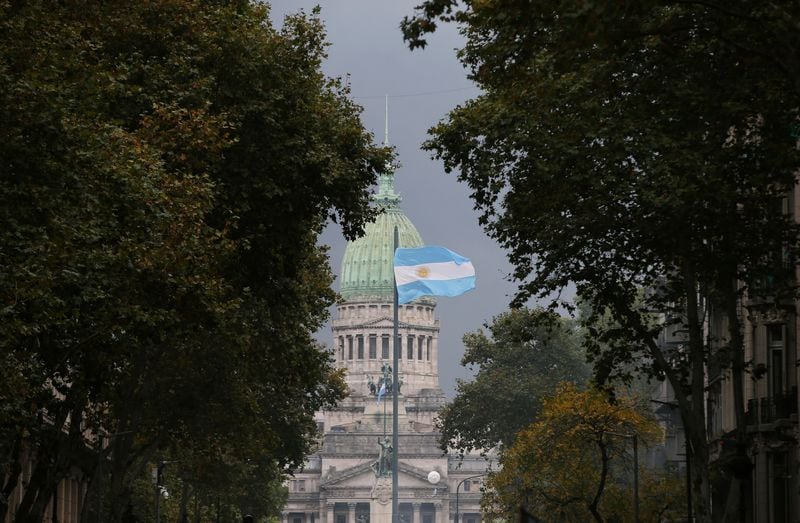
[341, 347]
[373, 346]
[419, 348]
[775, 353]
[410, 346]
[301, 485]
[466, 486]
[361, 347]
[341, 518]
[428, 349]
[385, 347]
[349, 347]
[399, 347]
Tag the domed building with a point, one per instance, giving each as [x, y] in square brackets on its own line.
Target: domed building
[340, 483]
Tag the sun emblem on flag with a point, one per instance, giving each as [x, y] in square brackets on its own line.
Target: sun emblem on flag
[423, 272]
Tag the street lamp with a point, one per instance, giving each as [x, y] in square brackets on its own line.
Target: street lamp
[158, 477]
[687, 456]
[459, 486]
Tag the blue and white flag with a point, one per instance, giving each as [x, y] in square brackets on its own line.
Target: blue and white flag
[381, 392]
[431, 271]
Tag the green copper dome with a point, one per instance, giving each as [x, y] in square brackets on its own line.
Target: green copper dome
[367, 265]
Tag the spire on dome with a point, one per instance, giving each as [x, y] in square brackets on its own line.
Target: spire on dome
[386, 195]
[386, 122]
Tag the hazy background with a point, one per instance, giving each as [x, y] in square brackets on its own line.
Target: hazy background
[367, 46]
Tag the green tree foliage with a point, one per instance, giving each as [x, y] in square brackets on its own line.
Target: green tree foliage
[632, 145]
[526, 354]
[165, 169]
[574, 463]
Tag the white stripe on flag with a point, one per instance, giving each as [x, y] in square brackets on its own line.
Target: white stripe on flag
[381, 393]
[432, 271]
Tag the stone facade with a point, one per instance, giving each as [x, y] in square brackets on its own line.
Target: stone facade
[338, 483]
[771, 478]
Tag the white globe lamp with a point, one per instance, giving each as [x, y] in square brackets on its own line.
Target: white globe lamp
[434, 477]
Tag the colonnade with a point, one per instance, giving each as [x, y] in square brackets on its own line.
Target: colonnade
[329, 513]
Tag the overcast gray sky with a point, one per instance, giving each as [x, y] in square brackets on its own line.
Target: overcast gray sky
[366, 44]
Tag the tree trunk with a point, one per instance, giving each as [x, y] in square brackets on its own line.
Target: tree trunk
[696, 428]
[43, 480]
[595, 504]
[736, 508]
[12, 480]
[123, 457]
[183, 516]
[691, 405]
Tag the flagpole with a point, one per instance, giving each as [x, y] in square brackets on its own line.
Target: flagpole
[395, 392]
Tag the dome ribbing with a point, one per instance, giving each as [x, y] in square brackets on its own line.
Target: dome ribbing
[367, 273]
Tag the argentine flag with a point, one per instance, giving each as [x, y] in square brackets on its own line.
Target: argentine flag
[381, 393]
[431, 271]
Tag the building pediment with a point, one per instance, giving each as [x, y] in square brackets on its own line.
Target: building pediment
[361, 476]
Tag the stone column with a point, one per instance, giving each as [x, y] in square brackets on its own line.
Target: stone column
[330, 516]
[437, 517]
[310, 517]
[445, 508]
[417, 516]
[284, 517]
[351, 513]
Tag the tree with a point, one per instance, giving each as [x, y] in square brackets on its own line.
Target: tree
[528, 352]
[166, 170]
[590, 170]
[567, 465]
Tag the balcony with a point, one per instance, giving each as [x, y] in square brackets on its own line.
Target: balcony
[770, 410]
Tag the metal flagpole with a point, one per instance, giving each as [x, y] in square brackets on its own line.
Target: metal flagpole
[395, 392]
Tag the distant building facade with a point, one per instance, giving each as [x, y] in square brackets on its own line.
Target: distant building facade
[771, 479]
[66, 504]
[339, 483]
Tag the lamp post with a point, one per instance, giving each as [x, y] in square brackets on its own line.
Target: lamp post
[158, 474]
[687, 457]
[158, 477]
[459, 486]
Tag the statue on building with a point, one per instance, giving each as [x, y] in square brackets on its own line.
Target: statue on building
[385, 382]
[383, 465]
